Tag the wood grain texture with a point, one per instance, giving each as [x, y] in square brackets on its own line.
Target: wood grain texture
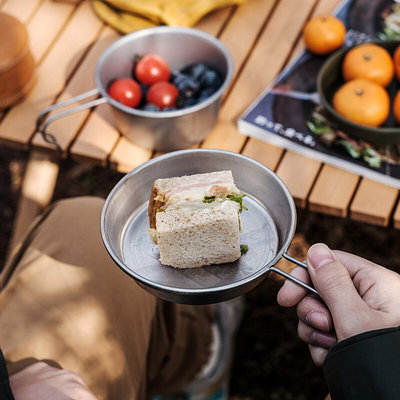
[97, 138]
[127, 156]
[271, 48]
[21, 9]
[65, 129]
[53, 16]
[298, 173]
[333, 191]
[58, 65]
[396, 217]
[262, 37]
[263, 152]
[373, 202]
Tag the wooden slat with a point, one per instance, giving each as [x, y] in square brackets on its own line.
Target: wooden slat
[65, 129]
[333, 191]
[128, 156]
[263, 152]
[247, 21]
[213, 22]
[243, 28]
[253, 148]
[97, 138]
[264, 63]
[322, 199]
[53, 16]
[21, 9]
[298, 173]
[396, 217]
[373, 202]
[17, 127]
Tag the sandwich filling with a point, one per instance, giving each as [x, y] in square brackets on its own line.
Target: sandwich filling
[197, 217]
[192, 192]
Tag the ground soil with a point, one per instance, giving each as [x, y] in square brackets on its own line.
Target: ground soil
[270, 361]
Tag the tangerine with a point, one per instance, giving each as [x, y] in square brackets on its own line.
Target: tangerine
[363, 102]
[323, 34]
[396, 59]
[368, 61]
[396, 107]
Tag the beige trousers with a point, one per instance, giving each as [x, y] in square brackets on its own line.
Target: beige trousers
[64, 300]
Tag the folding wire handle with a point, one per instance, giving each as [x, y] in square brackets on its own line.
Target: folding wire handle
[50, 138]
[291, 277]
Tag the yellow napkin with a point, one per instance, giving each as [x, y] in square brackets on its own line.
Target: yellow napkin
[130, 15]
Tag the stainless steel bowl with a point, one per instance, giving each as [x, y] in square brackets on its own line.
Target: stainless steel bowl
[166, 130]
[267, 228]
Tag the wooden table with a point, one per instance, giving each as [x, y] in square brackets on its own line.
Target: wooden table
[66, 39]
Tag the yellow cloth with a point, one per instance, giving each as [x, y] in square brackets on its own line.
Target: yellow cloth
[130, 15]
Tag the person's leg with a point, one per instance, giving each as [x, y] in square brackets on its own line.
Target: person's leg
[63, 299]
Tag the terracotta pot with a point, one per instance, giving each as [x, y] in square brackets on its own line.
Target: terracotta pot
[17, 67]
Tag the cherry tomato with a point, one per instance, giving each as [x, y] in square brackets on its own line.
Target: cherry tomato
[126, 91]
[152, 68]
[162, 94]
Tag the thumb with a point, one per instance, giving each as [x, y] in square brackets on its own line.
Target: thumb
[335, 286]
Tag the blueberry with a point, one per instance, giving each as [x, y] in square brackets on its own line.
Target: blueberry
[197, 70]
[151, 107]
[206, 93]
[144, 88]
[186, 85]
[210, 78]
[169, 109]
[184, 102]
[136, 59]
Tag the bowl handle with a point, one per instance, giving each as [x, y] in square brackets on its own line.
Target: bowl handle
[48, 137]
[292, 278]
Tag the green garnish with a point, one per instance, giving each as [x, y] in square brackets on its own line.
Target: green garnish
[208, 199]
[233, 197]
[244, 248]
[239, 199]
[160, 209]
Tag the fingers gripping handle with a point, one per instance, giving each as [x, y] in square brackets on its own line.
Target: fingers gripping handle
[292, 278]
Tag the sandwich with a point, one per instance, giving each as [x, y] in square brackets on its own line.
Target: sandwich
[195, 219]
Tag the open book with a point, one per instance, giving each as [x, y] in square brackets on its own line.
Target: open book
[288, 115]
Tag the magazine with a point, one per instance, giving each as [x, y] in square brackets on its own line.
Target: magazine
[307, 128]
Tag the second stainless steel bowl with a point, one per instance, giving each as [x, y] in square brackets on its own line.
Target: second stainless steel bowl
[162, 130]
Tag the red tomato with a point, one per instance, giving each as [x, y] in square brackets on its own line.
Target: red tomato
[162, 94]
[152, 68]
[126, 91]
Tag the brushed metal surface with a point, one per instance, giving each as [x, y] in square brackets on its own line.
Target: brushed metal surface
[268, 227]
[180, 47]
[160, 130]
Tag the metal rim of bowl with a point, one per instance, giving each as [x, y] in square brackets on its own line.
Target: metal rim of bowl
[212, 290]
[159, 30]
[327, 105]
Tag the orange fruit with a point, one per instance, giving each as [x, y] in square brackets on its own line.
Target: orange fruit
[396, 59]
[323, 34]
[363, 102]
[368, 61]
[396, 107]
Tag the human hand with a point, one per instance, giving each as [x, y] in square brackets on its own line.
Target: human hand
[41, 381]
[356, 296]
